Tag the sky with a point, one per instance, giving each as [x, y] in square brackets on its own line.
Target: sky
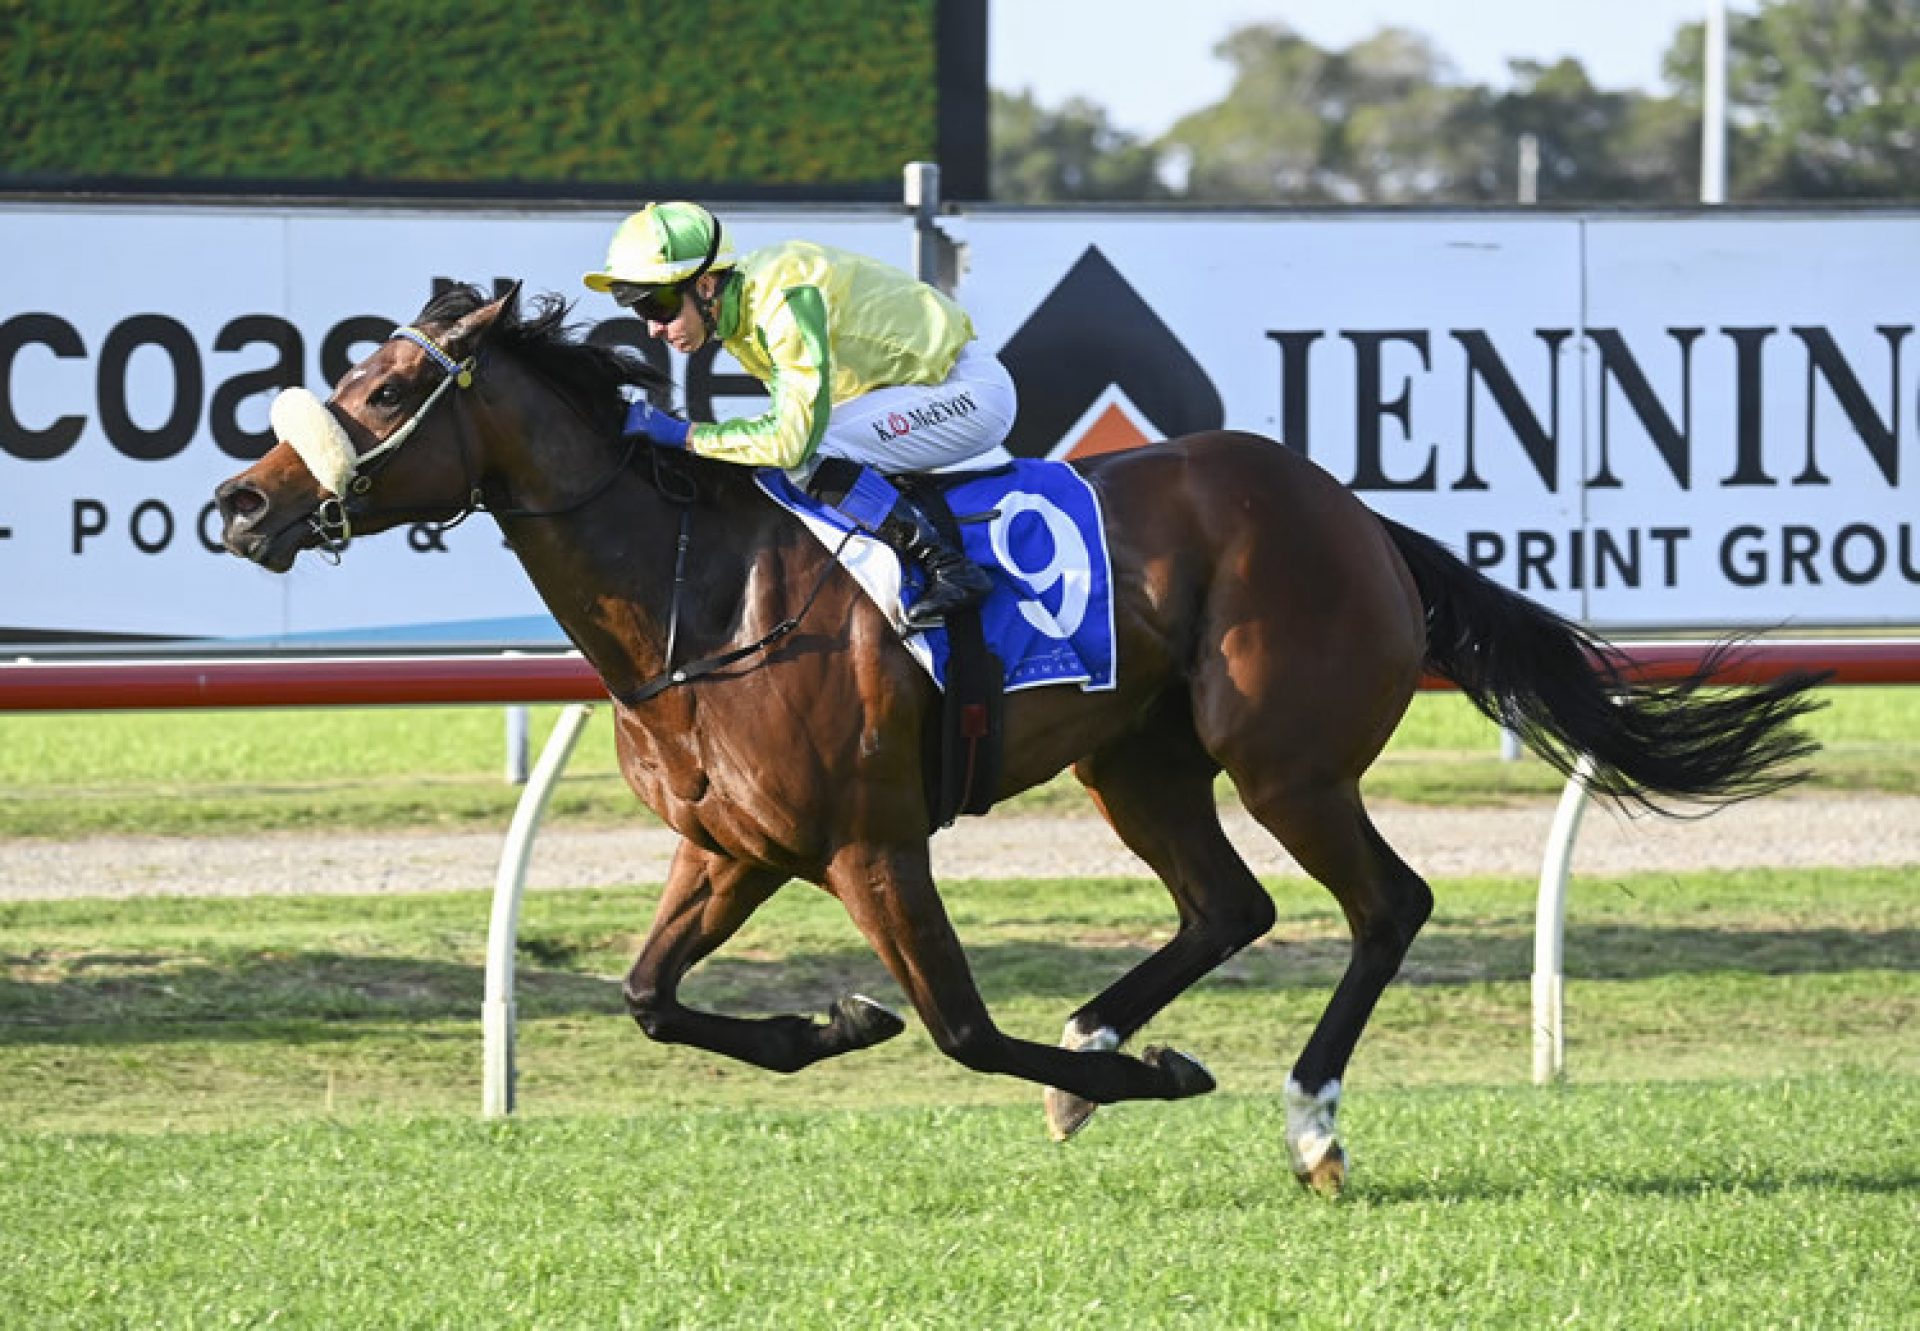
[1149, 62]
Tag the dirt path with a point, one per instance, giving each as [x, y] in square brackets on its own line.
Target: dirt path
[1788, 832]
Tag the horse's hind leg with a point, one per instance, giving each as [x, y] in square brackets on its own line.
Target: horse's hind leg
[889, 892]
[707, 898]
[1327, 830]
[1156, 789]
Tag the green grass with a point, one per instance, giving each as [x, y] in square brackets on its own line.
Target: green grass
[236, 773]
[257, 1113]
[228, 772]
[265, 1112]
[195, 1013]
[1668, 1206]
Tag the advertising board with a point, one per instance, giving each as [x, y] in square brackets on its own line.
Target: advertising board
[1646, 422]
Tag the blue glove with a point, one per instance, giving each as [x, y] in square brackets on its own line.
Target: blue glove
[663, 427]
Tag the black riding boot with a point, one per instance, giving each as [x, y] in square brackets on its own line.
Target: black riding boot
[954, 582]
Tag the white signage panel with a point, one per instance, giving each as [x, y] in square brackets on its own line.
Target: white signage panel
[1695, 421]
[140, 347]
[1752, 388]
[1365, 342]
[1645, 423]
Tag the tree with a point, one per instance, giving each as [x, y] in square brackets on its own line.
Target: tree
[1042, 156]
[1598, 146]
[1824, 103]
[1823, 98]
[1273, 137]
[1411, 134]
[1380, 122]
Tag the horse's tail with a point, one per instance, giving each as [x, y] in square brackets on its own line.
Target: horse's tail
[1566, 692]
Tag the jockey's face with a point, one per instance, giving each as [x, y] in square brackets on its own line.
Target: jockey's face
[687, 331]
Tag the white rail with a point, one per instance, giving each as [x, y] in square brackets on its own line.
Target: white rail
[1550, 929]
[503, 927]
[81, 685]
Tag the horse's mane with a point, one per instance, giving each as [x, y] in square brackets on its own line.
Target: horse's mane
[592, 376]
[589, 376]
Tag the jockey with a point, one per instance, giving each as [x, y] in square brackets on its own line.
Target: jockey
[865, 365]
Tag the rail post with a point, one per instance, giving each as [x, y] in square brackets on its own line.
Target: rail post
[1549, 929]
[503, 927]
[936, 255]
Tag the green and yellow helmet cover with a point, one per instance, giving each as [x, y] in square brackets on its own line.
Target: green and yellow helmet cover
[661, 244]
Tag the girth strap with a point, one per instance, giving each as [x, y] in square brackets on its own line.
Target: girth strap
[674, 676]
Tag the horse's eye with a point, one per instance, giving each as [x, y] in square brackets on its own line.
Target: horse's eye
[386, 395]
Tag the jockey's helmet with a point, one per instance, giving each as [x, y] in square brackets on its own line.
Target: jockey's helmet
[664, 244]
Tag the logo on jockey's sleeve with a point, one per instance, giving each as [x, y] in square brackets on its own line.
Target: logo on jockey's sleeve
[1098, 370]
[955, 406]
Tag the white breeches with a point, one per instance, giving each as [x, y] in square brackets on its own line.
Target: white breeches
[927, 427]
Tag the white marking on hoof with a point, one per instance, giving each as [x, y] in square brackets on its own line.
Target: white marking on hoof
[864, 1001]
[1102, 1041]
[1067, 1113]
[1311, 1135]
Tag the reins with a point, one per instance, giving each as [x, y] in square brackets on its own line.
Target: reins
[674, 676]
[333, 520]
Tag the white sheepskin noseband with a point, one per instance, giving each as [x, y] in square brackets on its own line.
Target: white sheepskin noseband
[303, 421]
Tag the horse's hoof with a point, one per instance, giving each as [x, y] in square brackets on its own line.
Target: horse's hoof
[1329, 1176]
[1184, 1075]
[1067, 1113]
[863, 1022]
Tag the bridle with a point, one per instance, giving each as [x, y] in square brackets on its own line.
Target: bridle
[314, 432]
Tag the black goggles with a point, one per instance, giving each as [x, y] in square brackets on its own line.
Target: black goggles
[661, 304]
[658, 304]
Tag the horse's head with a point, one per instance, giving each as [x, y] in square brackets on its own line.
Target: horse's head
[390, 446]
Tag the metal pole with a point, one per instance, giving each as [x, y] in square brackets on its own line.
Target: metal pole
[920, 189]
[1529, 168]
[517, 743]
[1550, 927]
[509, 883]
[1713, 108]
[516, 739]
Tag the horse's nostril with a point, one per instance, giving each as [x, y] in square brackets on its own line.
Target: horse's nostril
[243, 501]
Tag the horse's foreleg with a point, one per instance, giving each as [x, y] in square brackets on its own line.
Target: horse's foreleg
[890, 894]
[706, 899]
[1385, 903]
[1157, 792]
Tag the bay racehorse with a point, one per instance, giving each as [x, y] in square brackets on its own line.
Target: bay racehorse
[1268, 625]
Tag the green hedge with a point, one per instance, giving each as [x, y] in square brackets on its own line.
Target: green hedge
[588, 92]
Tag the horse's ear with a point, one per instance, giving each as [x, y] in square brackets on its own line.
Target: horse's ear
[466, 336]
[509, 300]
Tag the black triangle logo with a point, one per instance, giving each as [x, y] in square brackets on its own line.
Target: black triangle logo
[1094, 332]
